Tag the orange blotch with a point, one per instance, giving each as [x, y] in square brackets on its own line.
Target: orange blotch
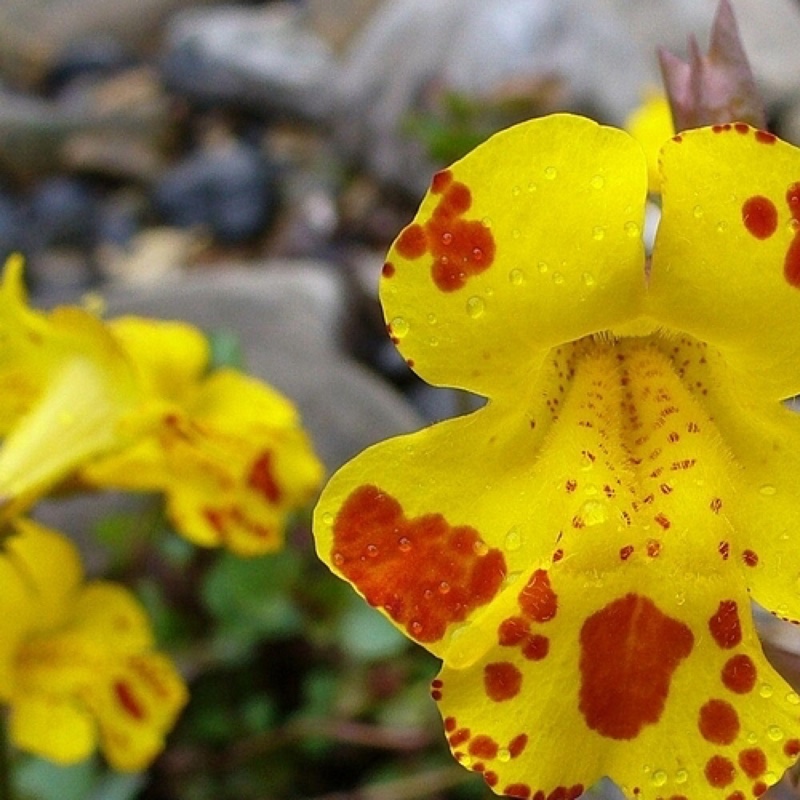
[459, 248]
[450, 724]
[425, 573]
[517, 790]
[538, 600]
[792, 748]
[388, 270]
[759, 788]
[512, 631]
[737, 795]
[127, 699]
[517, 745]
[791, 264]
[491, 778]
[483, 746]
[459, 737]
[502, 681]
[262, 478]
[536, 647]
[629, 652]
[626, 552]
[750, 558]
[719, 771]
[739, 674]
[718, 722]
[725, 626]
[753, 762]
[764, 137]
[760, 216]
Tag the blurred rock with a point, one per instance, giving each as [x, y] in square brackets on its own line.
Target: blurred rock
[62, 211]
[264, 59]
[12, 225]
[338, 21]
[226, 187]
[88, 58]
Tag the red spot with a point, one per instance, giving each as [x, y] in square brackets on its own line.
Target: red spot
[629, 652]
[626, 552]
[512, 631]
[765, 137]
[716, 505]
[653, 547]
[739, 674]
[262, 478]
[663, 521]
[388, 270]
[517, 790]
[517, 745]
[436, 694]
[753, 762]
[491, 778]
[792, 748]
[401, 564]
[459, 737]
[725, 626]
[538, 600]
[536, 648]
[128, 701]
[724, 550]
[449, 724]
[735, 796]
[483, 746]
[759, 788]
[720, 128]
[558, 555]
[719, 771]
[750, 558]
[741, 127]
[791, 264]
[677, 138]
[718, 722]
[412, 242]
[459, 248]
[502, 681]
[760, 216]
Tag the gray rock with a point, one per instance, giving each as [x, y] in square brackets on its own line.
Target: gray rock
[264, 59]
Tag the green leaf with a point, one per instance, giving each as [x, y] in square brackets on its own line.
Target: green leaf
[38, 779]
[226, 350]
[366, 635]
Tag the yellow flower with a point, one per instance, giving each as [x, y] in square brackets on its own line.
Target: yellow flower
[228, 451]
[77, 664]
[581, 551]
[64, 386]
[651, 126]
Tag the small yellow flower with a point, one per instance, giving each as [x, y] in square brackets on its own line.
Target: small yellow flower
[78, 667]
[228, 451]
[581, 551]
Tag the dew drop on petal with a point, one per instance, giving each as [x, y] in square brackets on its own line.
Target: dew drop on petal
[632, 229]
[516, 277]
[480, 548]
[598, 182]
[542, 267]
[697, 212]
[516, 191]
[515, 234]
[681, 776]
[775, 733]
[433, 341]
[399, 327]
[476, 307]
[338, 559]
[431, 319]
[513, 540]
[532, 187]
[404, 544]
[447, 238]
[550, 173]
[680, 598]
[793, 698]
[593, 512]
[768, 490]
[503, 755]
[327, 518]
[659, 777]
[558, 278]
[598, 233]
[588, 279]
[765, 690]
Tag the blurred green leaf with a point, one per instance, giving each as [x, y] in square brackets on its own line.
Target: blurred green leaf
[38, 779]
[226, 349]
[366, 635]
[118, 786]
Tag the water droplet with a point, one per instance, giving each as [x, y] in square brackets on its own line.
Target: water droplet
[768, 489]
[338, 559]
[681, 776]
[697, 211]
[632, 229]
[415, 627]
[550, 173]
[793, 699]
[431, 319]
[781, 609]
[433, 341]
[765, 690]
[444, 587]
[404, 544]
[487, 221]
[775, 733]
[515, 234]
[532, 187]
[542, 267]
[477, 254]
[598, 182]
[659, 777]
[476, 307]
[516, 191]
[327, 518]
[480, 548]
[513, 540]
[598, 233]
[593, 512]
[399, 327]
[503, 755]
[680, 598]
[722, 226]
[517, 277]
[372, 550]
[752, 738]
[447, 238]
[558, 278]
[465, 760]
[512, 577]
[588, 279]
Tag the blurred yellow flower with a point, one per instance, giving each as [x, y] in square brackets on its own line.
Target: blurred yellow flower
[78, 668]
[228, 451]
[581, 551]
[651, 125]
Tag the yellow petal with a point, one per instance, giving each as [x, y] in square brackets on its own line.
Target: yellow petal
[531, 240]
[657, 680]
[726, 265]
[651, 126]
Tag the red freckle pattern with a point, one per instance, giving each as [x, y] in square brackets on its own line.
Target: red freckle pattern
[262, 479]
[425, 573]
[791, 264]
[750, 558]
[764, 137]
[518, 745]
[718, 722]
[629, 652]
[128, 701]
[502, 681]
[725, 626]
[753, 762]
[483, 746]
[459, 248]
[739, 674]
[719, 771]
[626, 552]
[760, 216]
[538, 600]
